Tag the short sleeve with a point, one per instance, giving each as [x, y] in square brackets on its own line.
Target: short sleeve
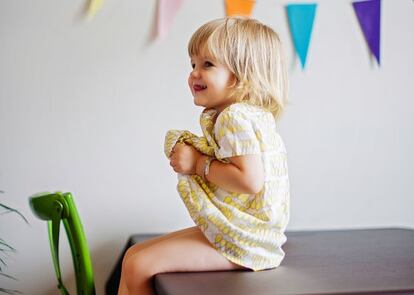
[235, 135]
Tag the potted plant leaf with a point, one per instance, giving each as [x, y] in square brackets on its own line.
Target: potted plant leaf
[5, 248]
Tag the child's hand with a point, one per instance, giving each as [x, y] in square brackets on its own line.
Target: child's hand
[184, 158]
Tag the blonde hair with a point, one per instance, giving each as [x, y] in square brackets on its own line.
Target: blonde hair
[253, 53]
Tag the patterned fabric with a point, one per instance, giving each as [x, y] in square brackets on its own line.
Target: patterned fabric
[248, 229]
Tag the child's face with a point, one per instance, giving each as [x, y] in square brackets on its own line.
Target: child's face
[210, 83]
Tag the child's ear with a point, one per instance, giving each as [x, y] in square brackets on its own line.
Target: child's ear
[233, 81]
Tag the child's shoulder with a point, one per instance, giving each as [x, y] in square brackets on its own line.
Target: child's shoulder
[243, 111]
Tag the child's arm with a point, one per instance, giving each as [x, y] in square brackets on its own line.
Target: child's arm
[244, 174]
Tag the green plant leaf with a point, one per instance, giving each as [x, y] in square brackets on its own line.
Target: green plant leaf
[4, 248]
[11, 292]
[8, 276]
[9, 209]
[3, 243]
[4, 264]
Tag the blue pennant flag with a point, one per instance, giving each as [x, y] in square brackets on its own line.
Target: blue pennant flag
[301, 18]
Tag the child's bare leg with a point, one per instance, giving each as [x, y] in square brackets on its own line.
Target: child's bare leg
[137, 247]
[134, 248]
[187, 252]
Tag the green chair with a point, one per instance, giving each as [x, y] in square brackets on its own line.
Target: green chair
[61, 207]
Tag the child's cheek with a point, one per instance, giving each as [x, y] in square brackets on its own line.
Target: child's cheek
[190, 83]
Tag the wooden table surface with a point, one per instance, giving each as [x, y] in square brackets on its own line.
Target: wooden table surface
[363, 261]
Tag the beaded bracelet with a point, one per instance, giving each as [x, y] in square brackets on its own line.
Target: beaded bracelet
[206, 169]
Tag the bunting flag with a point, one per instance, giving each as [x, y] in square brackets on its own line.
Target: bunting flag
[369, 17]
[239, 7]
[93, 7]
[301, 18]
[167, 10]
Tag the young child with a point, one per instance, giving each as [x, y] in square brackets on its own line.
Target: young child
[233, 180]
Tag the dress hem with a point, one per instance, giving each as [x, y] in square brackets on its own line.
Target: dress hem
[231, 259]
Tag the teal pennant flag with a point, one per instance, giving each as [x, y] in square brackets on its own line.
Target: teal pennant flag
[301, 18]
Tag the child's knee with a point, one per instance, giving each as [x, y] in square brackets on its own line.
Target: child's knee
[137, 264]
[133, 250]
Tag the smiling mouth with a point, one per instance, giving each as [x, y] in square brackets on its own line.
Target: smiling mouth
[198, 87]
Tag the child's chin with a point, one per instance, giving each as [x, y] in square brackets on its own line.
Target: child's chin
[199, 103]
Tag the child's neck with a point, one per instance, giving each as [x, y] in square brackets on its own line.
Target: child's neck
[223, 107]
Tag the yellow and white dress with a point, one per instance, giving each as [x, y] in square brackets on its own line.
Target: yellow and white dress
[248, 229]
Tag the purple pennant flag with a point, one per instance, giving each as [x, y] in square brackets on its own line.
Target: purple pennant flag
[369, 16]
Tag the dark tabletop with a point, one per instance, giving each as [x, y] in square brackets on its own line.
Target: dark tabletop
[366, 261]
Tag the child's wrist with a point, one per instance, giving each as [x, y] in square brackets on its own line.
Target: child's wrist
[200, 165]
[203, 166]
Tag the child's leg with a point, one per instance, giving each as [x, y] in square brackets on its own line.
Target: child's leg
[137, 247]
[186, 252]
[134, 248]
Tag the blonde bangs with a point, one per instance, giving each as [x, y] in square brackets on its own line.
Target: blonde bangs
[208, 41]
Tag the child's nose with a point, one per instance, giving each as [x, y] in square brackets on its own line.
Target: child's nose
[195, 73]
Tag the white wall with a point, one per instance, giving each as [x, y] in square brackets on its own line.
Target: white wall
[84, 107]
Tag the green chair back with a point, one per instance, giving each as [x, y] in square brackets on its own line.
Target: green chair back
[55, 208]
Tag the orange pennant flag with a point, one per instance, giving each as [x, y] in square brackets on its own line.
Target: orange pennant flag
[239, 7]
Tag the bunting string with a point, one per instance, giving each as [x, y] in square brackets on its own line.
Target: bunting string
[301, 18]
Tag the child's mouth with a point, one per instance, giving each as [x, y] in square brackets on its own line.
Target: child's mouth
[198, 87]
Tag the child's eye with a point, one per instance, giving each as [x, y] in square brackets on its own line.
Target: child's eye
[192, 66]
[208, 64]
